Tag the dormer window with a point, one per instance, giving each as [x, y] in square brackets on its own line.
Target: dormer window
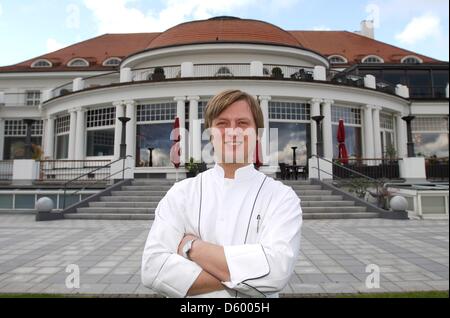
[112, 61]
[41, 63]
[372, 59]
[78, 63]
[411, 60]
[337, 59]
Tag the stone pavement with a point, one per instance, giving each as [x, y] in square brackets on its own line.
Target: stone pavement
[411, 255]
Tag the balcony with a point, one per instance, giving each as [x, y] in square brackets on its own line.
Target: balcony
[190, 71]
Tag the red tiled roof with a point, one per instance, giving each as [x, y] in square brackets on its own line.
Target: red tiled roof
[223, 29]
[352, 46]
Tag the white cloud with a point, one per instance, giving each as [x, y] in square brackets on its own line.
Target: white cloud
[118, 16]
[321, 28]
[420, 28]
[53, 45]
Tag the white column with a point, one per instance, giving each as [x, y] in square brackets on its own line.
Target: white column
[131, 129]
[72, 134]
[80, 148]
[377, 132]
[120, 112]
[265, 138]
[181, 114]
[327, 129]
[368, 132]
[315, 111]
[194, 136]
[49, 137]
[2, 137]
[402, 149]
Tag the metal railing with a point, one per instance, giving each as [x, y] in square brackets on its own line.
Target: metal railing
[297, 72]
[437, 169]
[102, 80]
[62, 89]
[81, 178]
[375, 168]
[6, 170]
[222, 70]
[63, 170]
[20, 99]
[156, 73]
[355, 182]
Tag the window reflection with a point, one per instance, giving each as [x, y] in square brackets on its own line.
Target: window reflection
[156, 136]
[352, 141]
[291, 135]
[431, 144]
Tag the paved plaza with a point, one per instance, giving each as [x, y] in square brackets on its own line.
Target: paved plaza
[411, 255]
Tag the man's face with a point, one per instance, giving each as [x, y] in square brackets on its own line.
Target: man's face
[234, 134]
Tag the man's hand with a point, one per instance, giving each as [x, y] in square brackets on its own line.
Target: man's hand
[186, 238]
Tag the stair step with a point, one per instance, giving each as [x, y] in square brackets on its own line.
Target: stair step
[313, 192]
[116, 210]
[321, 197]
[340, 209]
[323, 216]
[306, 187]
[103, 204]
[135, 193]
[139, 182]
[131, 198]
[108, 216]
[148, 188]
[326, 203]
[292, 182]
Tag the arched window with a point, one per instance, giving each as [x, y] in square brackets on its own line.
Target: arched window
[337, 59]
[411, 60]
[112, 61]
[224, 71]
[41, 63]
[372, 59]
[78, 62]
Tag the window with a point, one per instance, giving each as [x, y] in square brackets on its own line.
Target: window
[156, 112]
[337, 59]
[372, 59]
[16, 127]
[15, 135]
[62, 129]
[289, 111]
[101, 117]
[201, 108]
[113, 61]
[387, 135]
[100, 143]
[411, 60]
[155, 136]
[78, 63]
[224, 71]
[290, 135]
[41, 63]
[430, 136]
[32, 98]
[386, 121]
[350, 115]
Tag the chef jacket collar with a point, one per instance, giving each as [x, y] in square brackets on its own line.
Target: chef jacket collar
[240, 174]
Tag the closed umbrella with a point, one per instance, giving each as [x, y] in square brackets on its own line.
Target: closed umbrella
[257, 155]
[175, 151]
[343, 155]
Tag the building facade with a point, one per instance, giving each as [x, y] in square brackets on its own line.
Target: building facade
[77, 95]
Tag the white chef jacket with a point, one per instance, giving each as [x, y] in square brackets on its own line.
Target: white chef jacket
[254, 217]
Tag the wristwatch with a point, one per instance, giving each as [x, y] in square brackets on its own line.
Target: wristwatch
[187, 247]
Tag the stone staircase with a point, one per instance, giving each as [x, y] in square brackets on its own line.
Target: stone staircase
[139, 200]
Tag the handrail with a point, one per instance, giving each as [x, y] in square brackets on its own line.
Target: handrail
[98, 168]
[377, 182]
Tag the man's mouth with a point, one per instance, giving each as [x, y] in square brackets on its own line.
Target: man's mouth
[234, 143]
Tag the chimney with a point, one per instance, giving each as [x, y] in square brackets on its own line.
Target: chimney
[367, 29]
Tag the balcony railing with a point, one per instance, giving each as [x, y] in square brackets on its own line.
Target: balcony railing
[20, 99]
[64, 170]
[159, 73]
[296, 72]
[374, 168]
[6, 170]
[102, 80]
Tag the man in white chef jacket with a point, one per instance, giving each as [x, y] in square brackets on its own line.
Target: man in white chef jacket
[231, 231]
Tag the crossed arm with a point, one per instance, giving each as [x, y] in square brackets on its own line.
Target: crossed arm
[211, 258]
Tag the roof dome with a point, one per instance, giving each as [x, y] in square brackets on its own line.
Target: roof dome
[224, 29]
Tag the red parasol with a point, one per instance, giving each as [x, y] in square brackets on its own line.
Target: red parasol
[257, 155]
[175, 151]
[343, 155]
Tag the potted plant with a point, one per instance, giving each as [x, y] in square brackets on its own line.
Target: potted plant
[277, 73]
[158, 74]
[192, 167]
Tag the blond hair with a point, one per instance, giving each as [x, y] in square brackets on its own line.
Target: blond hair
[223, 100]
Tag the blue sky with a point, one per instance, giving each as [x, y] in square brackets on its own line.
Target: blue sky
[29, 28]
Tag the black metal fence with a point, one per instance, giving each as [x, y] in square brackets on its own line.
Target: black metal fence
[437, 169]
[65, 170]
[374, 168]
